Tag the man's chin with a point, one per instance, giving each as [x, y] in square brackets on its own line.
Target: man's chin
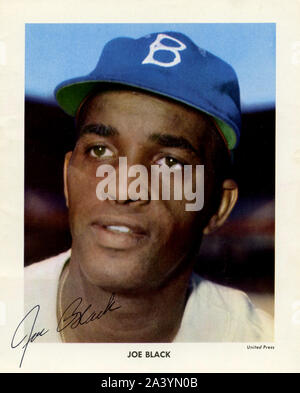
[122, 274]
[117, 285]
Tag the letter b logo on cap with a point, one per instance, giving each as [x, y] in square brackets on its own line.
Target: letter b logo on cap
[157, 45]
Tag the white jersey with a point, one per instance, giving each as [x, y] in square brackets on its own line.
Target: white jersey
[213, 312]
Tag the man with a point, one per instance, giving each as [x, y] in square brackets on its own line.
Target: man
[158, 101]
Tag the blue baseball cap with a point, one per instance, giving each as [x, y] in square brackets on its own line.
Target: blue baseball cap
[169, 64]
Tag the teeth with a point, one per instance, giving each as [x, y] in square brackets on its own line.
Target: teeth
[116, 228]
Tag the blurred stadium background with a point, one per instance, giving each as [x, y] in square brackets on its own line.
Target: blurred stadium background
[241, 253]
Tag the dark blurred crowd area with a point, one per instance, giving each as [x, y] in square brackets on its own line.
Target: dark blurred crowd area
[240, 254]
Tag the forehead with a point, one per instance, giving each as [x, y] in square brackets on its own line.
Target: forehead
[143, 113]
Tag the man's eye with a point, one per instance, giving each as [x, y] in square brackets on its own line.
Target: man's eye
[171, 162]
[100, 151]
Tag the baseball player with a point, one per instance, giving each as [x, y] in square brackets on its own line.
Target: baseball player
[159, 100]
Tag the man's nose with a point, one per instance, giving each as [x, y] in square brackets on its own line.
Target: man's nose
[132, 183]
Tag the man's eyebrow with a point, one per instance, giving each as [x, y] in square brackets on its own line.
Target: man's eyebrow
[168, 140]
[98, 129]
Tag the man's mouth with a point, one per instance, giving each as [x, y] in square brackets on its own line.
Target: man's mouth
[118, 235]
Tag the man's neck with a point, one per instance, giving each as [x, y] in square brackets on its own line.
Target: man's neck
[95, 315]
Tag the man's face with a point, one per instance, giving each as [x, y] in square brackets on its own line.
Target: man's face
[160, 235]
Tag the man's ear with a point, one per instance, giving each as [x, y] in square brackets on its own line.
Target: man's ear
[66, 164]
[228, 200]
